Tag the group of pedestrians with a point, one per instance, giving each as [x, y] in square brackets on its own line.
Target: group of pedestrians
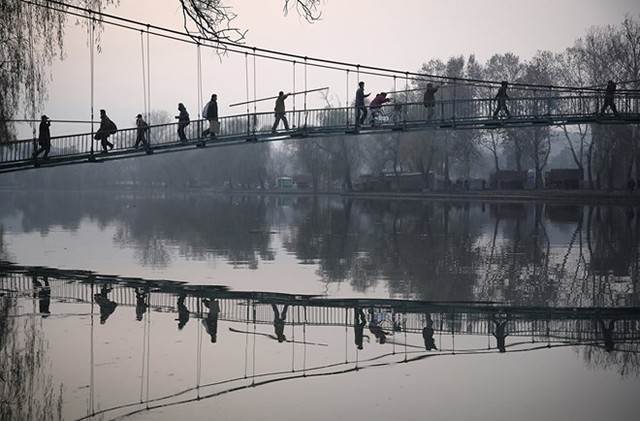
[108, 128]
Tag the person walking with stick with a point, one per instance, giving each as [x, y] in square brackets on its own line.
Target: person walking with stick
[280, 112]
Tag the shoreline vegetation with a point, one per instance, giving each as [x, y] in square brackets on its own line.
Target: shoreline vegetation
[556, 196]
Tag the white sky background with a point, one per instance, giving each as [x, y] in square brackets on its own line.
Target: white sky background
[399, 34]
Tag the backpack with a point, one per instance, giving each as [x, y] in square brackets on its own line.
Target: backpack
[112, 127]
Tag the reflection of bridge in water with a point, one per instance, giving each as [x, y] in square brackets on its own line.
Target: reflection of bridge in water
[472, 318]
[313, 352]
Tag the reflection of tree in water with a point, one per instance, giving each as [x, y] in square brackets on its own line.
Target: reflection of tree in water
[197, 226]
[26, 390]
[420, 249]
[518, 257]
[330, 232]
[428, 249]
[4, 252]
[153, 253]
[202, 227]
[625, 359]
[612, 239]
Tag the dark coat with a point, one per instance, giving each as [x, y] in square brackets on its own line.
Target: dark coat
[44, 135]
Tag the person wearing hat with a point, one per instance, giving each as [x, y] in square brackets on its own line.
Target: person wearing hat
[44, 138]
[141, 129]
[361, 109]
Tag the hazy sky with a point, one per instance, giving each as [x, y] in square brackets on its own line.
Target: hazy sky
[400, 34]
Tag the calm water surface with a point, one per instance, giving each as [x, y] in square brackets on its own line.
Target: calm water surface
[194, 306]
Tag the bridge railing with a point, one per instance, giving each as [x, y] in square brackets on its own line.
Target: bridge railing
[545, 106]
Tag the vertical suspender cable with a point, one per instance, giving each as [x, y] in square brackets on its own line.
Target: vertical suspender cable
[246, 339]
[293, 337]
[33, 81]
[148, 82]
[346, 100]
[92, 65]
[198, 345]
[453, 332]
[253, 375]
[199, 88]
[246, 80]
[199, 79]
[255, 103]
[305, 92]
[393, 329]
[144, 78]
[144, 349]
[304, 339]
[91, 391]
[404, 327]
[406, 97]
[305, 84]
[294, 96]
[346, 335]
[148, 345]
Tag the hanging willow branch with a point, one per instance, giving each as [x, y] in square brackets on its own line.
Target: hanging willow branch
[308, 9]
[214, 21]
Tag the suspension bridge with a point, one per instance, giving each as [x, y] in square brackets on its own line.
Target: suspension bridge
[463, 114]
[460, 104]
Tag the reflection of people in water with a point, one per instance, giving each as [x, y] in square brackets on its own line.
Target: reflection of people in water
[211, 322]
[427, 334]
[106, 305]
[183, 312]
[358, 326]
[500, 332]
[279, 321]
[607, 334]
[375, 328]
[43, 293]
[398, 322]
[141, 302]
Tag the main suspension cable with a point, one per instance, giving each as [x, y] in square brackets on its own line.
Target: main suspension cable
[288, 57]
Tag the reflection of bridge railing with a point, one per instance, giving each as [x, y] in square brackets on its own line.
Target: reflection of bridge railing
[543, 108]
[581, 324]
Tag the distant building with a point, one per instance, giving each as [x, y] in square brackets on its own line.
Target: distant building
[284, 183]
[567, 179]
[404, 182]
[294, 182]
[509, 180]
[301, 181]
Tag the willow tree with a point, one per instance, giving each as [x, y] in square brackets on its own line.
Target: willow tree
[32, 37]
